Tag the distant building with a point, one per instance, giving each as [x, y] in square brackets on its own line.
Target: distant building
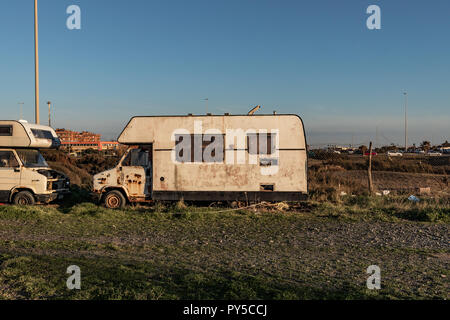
[108, 145]
[80, 141]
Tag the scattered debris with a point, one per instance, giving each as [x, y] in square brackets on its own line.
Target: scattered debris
[180, 204]
[281, 206]
[386, 192]
[426, 190]
[343, 193]
[413, 198]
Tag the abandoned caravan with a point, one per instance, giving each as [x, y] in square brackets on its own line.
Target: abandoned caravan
[208, 158]
[25, 177]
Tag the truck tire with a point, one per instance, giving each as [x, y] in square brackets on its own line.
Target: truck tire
[24, 198]
[114, 200]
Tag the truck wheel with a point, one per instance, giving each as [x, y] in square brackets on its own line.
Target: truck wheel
[114, 200]
[24, 198]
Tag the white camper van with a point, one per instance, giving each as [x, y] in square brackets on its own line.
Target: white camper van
[208, 158]
[25, 177]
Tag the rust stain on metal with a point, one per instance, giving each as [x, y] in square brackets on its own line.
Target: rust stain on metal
[134, 183]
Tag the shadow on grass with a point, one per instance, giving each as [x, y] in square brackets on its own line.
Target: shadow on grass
[44, 277]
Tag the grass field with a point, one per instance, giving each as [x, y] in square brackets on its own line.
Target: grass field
[313, 251]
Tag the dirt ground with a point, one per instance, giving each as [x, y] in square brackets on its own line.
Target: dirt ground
[199, 254]
[399, 181]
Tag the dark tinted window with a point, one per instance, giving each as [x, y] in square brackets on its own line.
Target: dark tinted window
[136, 158]
[210, 143]
[6, 130]
[263, 144]
[42, 134]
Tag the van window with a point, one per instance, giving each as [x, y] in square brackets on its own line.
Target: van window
[32, 158]
[6, 131]
[8, 160]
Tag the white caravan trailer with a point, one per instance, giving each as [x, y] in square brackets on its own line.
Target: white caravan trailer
[208, 158]
[25, 177]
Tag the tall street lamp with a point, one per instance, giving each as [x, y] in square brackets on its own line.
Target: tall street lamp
[36, 61]
[406, 120]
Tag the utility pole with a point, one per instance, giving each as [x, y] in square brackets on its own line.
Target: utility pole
[369, 170]
[376, 137]
[406, 120]
[20, 107]
[36, 61]
[49, 119]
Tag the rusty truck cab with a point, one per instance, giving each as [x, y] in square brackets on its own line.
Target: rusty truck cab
[129, 181]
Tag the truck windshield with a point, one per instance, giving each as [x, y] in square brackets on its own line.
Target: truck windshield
[32, 158]
[136, 158]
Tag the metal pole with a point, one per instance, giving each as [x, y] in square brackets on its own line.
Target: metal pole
[406, 121]
[49, 120]
[376, 137]
[36, 61]
[369, 170]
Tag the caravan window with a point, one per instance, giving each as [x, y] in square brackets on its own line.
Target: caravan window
[42, 134]
[6, 131]
[259, 143]
[212, 148]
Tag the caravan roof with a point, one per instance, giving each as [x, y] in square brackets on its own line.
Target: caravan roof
[21, 134]
[159, 129]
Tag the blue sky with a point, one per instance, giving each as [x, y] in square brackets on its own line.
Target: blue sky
[315, 58]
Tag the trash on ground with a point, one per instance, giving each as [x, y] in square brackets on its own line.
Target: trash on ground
[413, 198]
[426, 190]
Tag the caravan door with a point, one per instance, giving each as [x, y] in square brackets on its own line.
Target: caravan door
[9, 173]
